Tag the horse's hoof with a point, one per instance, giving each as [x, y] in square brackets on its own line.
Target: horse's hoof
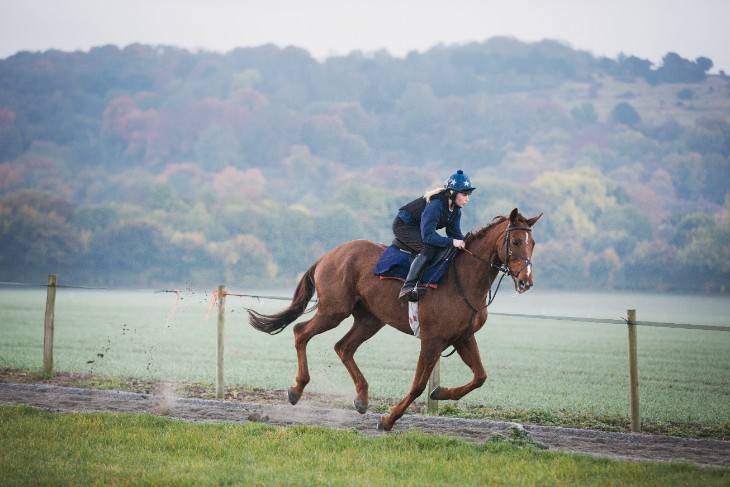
[360, 405]
[293, 398]
[382, 426]
[435, 393]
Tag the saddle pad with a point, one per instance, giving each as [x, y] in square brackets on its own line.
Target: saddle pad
[395, 264]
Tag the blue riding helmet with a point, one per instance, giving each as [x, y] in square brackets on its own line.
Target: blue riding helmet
[460, 183]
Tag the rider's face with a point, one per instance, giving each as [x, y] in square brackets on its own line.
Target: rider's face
[461, 199]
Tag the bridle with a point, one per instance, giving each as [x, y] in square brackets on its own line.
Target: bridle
[504, 266]
[501, 267]
[508, 252]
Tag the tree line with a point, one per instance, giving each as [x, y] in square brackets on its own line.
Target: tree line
[153, 165]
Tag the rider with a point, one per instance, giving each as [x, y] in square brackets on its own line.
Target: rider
[417, 222]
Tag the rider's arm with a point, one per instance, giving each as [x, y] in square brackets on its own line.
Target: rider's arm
[429, 224]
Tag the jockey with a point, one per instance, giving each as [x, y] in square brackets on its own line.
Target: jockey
[417, 222]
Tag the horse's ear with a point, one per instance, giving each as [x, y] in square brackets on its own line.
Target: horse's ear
[513, 216]
[533, 220]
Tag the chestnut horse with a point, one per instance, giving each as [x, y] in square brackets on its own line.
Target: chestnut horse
[449, 315]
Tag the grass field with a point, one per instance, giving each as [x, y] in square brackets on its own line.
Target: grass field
[41, 448]
[549, 365]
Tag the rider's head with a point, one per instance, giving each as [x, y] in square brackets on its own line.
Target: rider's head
[459, 183]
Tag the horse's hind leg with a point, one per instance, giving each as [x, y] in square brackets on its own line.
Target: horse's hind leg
[364, 327]
[469, 353]
[303, 332]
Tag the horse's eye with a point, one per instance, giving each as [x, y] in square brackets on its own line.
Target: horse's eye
[516, 243]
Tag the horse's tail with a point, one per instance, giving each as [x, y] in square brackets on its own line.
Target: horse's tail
[273, 324]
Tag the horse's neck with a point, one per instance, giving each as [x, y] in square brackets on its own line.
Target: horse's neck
[488, 246]
[486, 252]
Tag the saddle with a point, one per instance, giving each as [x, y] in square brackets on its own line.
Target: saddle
[396, 261]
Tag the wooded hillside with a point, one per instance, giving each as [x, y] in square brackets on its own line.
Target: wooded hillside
[152, 165]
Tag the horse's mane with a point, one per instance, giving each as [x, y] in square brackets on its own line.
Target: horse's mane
[483, 231]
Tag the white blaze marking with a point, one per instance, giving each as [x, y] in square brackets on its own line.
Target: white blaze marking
[527, 244]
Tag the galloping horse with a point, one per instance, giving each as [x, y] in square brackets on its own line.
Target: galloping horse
[449, 316]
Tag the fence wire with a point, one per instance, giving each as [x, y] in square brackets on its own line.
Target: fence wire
[622, 321]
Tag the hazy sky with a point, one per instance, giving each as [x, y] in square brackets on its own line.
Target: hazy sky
[645, 28]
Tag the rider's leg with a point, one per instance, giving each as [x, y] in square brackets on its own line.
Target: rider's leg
[408, 292]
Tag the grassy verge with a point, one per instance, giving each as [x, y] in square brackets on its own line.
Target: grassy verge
[566, 419]
[42, 448]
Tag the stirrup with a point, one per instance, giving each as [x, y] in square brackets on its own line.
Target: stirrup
[416, 294]
[405, 295]
[412, 295]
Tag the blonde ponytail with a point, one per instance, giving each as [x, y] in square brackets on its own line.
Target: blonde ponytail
[433, 193]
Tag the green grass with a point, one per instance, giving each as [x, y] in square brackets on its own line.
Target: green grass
[42, 448]
[554, 367]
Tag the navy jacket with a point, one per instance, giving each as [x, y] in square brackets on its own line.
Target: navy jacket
[433, 216]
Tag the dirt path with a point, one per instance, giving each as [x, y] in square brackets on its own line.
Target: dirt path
[707, 453]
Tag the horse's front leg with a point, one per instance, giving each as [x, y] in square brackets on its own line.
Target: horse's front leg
[469, 353]
[430, 351]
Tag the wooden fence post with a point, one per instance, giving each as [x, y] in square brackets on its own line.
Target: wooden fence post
[434, 381]
[633, 373]
[219, 382]
[49, 325]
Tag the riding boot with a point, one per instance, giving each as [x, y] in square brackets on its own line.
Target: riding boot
[409, 292]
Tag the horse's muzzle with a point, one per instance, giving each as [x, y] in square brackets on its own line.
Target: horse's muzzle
[522, 284]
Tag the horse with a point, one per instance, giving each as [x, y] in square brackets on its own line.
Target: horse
[449, 315]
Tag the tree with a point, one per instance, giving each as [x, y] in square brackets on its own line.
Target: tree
[585, 114]
[718, 174]
[707, 251]
[675, 69]
[633, 67]
[622, 228]
[576, 199]
[218, 147]
[139, 129]
[626, 114]
[241, 256]
[35, 235]
[131, 251]
[11, 140]
[654, 266]
[372, 207]
[327, 137]
[242, 187]
[336, 225]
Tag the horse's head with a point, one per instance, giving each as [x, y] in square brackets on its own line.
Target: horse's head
[516, 249]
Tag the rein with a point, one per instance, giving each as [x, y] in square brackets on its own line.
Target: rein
[503, 268]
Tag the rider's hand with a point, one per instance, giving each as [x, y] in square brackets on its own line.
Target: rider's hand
[459, 244]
